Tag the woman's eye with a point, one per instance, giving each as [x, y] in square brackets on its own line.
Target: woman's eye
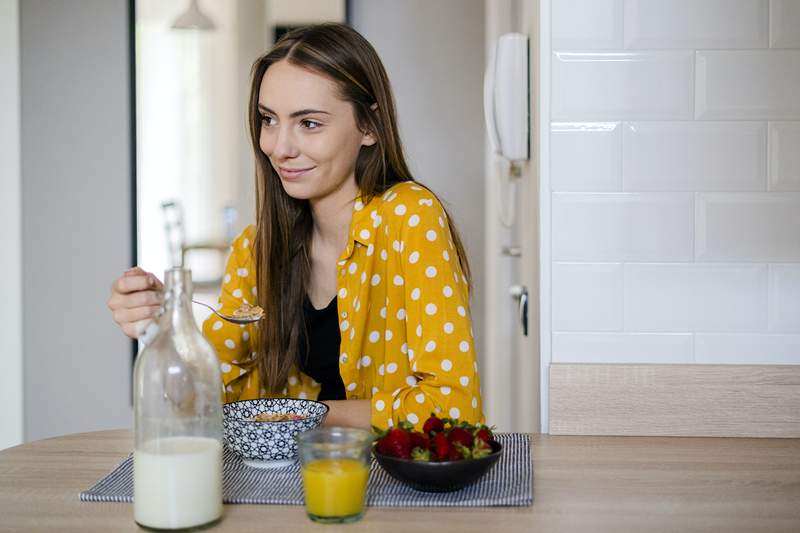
[314, 123]
[265, 120]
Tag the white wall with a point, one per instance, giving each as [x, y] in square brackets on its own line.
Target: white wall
[434, 55]
[674, 181]
[291, 12]
[11, 408]
[76, 218]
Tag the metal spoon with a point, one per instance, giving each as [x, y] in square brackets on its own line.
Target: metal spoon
[147, 329]
[233, 319]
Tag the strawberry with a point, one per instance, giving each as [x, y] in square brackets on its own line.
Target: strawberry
[418, 454]
[460, 435]
[484, 434]
[480, 449]
[396, 443]
[458, 452]
[443, 439]
[433, 424]
[440, 447]
[405, 424]
[420, 440]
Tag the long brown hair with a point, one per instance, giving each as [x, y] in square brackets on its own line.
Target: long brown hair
[284, 224]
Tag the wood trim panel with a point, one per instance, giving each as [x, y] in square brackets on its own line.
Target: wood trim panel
[675, 400]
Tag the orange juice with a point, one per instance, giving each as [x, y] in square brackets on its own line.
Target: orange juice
[335, 487]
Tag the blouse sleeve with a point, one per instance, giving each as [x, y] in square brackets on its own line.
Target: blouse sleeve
[233, 341]
[441, 350]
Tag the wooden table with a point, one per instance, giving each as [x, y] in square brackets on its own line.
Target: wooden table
[580, 484]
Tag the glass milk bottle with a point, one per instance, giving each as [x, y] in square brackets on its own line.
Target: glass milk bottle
[177, 388]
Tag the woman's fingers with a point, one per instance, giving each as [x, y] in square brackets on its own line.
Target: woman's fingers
[124, 316]
[130, 330]
[134, 299]
[143, 298]
[136, 279]
[134, 271]
[128, 284]
[138, 271]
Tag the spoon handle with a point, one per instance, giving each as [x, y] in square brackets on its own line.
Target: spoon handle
[207, 306]
[146, 328]
[234, 320]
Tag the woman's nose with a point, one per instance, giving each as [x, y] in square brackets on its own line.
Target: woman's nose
[284, 144]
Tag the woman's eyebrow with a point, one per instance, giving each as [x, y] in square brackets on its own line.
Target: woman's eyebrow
[296, 113]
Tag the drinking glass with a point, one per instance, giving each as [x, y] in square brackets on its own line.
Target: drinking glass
[334, 463]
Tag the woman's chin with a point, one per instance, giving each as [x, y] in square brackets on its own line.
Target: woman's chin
[313, 188]
[298, 190]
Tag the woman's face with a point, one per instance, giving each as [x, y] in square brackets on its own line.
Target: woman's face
[305, 126]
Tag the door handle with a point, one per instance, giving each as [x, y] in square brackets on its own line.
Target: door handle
[520, 294]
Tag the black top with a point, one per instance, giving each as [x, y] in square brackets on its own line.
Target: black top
[322, 360]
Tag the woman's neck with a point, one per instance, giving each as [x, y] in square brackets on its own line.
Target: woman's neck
[332, 215]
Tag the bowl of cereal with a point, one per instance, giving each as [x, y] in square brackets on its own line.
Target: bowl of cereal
[262, 432]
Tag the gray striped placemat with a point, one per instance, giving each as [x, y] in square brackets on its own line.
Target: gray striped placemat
[508, 483]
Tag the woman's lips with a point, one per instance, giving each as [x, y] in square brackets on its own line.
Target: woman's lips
[290, 174]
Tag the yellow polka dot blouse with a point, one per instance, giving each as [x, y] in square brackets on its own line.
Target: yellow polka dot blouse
[403, 314]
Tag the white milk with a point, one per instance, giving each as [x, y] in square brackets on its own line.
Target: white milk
[181, 485]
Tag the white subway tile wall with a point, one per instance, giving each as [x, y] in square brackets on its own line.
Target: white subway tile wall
[695, 297]
[675, 181]
[747, 349]
[586, 156]
[696, 24]
[614, 85]
[622, 226]
[784, 156]
[784, 17]
[587, 296]
[622, 347]
[587, 24]
[747, 227]
[784, 305]
[694, 156]
[748, 84]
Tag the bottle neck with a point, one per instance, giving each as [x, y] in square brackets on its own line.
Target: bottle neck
[178, 298]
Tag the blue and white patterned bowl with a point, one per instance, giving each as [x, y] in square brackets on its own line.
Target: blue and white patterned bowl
[269, 444]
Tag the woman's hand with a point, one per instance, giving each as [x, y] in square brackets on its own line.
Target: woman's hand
[136, 296]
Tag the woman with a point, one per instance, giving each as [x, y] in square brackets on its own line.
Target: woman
[360, 271]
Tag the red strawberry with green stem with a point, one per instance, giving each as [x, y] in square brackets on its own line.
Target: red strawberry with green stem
[396, 443]
[419, 440]
[458, 452]
[460, 435]
[485, 434]
[480, 449]
[440, 447]
[434, 424]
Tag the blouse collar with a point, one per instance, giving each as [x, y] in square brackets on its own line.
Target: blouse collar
[363, 225]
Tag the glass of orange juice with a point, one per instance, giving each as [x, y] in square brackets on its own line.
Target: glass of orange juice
[334, 463]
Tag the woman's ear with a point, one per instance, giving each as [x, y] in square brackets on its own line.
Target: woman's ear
[368, 139]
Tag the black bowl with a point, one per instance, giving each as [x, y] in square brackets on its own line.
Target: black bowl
[445, 476]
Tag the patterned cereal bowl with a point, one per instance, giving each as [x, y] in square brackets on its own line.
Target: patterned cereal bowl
[263, 431]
